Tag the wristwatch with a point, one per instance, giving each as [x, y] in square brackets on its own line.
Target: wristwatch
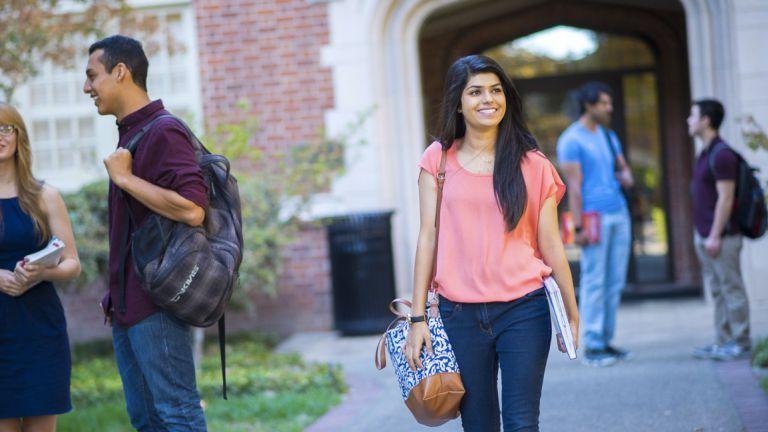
[416, 319]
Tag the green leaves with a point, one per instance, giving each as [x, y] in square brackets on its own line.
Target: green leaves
[88, 213]
[276, 188]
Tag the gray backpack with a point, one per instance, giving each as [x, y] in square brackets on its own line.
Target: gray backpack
[190, 271]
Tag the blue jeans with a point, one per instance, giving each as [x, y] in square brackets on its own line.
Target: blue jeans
[154, 358]
[603, 277]
[512, 335]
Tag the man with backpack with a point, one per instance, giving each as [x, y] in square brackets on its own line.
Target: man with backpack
[717, 237]
[153, 348]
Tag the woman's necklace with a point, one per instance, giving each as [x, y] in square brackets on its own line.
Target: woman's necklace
[487, 161]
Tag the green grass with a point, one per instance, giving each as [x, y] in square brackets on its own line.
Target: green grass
[760, 354]
[267, 391]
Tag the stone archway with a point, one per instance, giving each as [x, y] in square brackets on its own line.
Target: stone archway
[390, 34]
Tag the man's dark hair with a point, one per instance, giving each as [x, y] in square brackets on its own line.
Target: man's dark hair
[122, 49]
[712, 109]
[589, 93]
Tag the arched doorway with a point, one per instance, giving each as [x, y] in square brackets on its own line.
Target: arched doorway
[640, 51]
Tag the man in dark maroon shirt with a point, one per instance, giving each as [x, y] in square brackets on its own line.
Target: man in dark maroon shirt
[717, 242]
[153, 349]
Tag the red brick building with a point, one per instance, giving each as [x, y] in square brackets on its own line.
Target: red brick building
[312, 65]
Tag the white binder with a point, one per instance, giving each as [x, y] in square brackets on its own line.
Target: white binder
[559, 317]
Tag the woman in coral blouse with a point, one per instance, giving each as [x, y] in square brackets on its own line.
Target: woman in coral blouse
[499, 239]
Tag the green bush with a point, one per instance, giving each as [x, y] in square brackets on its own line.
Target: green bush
[88, 213]
[276, 186]
[760, 354]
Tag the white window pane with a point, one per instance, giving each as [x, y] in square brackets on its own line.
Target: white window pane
[40, 130]
[63, 129]
[43, 160]
[156, 84]
[61, 93]
[87, 156]
[85, 127]
[178, 82]
[66, 158]
[37, 94]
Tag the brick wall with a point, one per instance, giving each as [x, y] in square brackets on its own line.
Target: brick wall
[304, 301]
[268, 52]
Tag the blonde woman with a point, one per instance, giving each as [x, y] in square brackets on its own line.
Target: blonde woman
[34, 350]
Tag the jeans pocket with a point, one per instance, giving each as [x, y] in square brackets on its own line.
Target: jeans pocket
[448, 309]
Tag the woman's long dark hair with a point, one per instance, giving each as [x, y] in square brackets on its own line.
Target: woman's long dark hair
[513, 140]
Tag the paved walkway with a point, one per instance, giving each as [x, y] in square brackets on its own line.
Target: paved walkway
[662, 389]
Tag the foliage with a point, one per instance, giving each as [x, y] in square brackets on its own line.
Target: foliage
[754, 135]
[760, 356]
[88, 213]
[35, 31]
[267, 391]
[276, 187]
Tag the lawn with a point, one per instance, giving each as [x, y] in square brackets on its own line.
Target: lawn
[267, 391]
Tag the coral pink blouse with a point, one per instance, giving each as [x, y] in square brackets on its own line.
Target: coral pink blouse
[478, 260]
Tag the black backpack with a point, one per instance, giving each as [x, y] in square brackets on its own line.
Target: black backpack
[190, 271]
[750, 215]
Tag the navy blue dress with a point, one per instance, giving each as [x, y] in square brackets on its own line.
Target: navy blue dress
[35, 363]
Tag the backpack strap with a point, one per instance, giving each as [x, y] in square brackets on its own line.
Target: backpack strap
[223, 355]
[610, 147]
[131, 220]
[711, 158]
[131, 146]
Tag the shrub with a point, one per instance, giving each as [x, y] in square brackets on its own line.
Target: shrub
[88, 212]
[760, 354]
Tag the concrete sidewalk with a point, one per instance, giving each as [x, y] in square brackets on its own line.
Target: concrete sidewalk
[662, 389]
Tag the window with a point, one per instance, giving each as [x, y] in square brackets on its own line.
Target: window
[69, 138]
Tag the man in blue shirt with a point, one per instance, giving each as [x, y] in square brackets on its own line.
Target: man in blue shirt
[595, 171]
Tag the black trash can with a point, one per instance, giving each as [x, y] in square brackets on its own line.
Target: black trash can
[362, 272]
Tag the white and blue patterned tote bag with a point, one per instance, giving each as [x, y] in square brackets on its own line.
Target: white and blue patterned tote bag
[433, 394]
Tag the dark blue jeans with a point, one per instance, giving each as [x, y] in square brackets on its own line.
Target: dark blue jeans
[154, 358]
[513, 335]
